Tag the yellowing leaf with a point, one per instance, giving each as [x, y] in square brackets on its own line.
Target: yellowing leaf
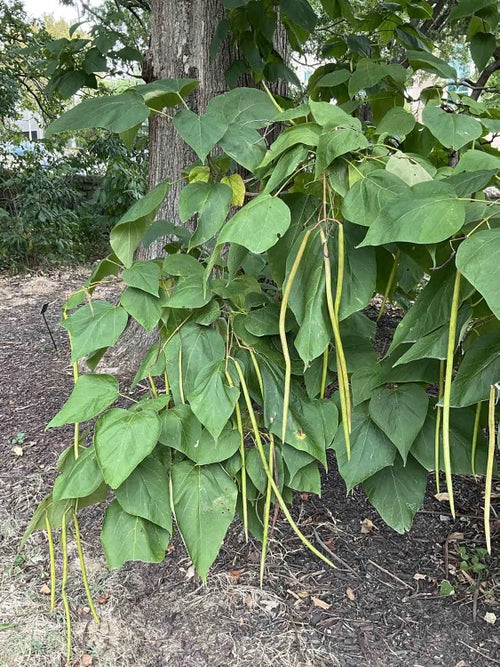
[199, 173]
[238, 189]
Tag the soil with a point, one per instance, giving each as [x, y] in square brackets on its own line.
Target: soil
[380, 608]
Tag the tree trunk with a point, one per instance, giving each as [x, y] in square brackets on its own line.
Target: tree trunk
[181, 34]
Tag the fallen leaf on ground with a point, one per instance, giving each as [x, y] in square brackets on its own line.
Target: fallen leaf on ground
[419, 577]
[86, 660]
[490, 617]
[442, 496]
[190, 572]
[320, 603]
[44, 589]
[367, 527]
[103, 599]
[235, 575]
[455, 536]
[350, 594]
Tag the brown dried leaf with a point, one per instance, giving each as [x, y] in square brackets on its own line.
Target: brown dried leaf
[320, 603]
[350, 594]
[367, 527]
[44, 589]
[103, 599]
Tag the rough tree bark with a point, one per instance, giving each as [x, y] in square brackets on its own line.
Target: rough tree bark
[181, 34]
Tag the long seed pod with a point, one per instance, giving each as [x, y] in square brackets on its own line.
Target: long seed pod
[244, 500]
[274, 486]
[489, 466]
[390, 283]
[475, 434]
[437, 432]
[447, 391]
[52, 560]
[284, 344]
[84, 570]
[345, 397]
[67, 614]
[267, 511]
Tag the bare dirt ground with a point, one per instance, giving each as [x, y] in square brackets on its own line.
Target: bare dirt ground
[380, 608]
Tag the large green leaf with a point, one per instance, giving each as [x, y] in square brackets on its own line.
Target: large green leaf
[400, 413]
[80, 477]
[116, 113]
[308, 301]
[371, 450]
[303, 209]
[94, 326]
[360, 271]
[479, 369]
[466, 8]
[332, 145]
[212, 399]
[478, 259]
[211, 201]
[180, 429]
[144, 276]
[368, 73]
[451, 129]
[307, 134]
[461, 435]
[125, 537]
[364, 201]
[144, 307]
[258, 225]
[122, 440]
[190, 292]
[244, 107]
[397, 492]
[205, 502]
[434, 345]
[127, 234]
[166, 92]
[311, 424]
[429, 213]
[468, 182]
[145, 493]
[91, 394]
[431, 309]
[180, 264]
[300, 12]
[431, 63]
[331, 116]
[192, 348]
[200, 132]
[397, 122]
[244, 145]
[285, 167]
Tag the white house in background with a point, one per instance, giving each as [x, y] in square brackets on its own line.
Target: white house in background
[29, 125]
